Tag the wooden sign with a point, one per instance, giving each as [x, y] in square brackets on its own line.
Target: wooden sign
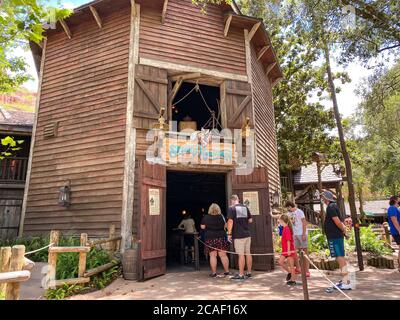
[190, 151]
[154, 202]
[250, 199]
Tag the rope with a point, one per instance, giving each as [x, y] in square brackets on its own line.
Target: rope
[187, 95]
[251, 254]
[34, 251]
[327, 277]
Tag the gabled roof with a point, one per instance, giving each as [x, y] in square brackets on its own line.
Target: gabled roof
[12, 121]
[309, 175]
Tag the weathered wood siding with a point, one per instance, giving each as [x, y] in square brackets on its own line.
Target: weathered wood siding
[10, 211]
[266, 146]
[189, 37]
[85, 89]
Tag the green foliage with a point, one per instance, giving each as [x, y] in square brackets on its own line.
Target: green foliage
[8, 146]
[2, 296]
[63, 292]
[21, 22]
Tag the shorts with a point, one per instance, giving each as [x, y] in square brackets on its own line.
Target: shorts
[242, 246]
[396, 238]
[299, 243]
[336, 247]
[189, 240]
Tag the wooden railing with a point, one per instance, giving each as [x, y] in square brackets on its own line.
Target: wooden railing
[312, 216]
[13, 170]
[14, 269]
[84, 275]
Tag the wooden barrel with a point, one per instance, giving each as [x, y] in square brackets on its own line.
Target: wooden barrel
[130, 264]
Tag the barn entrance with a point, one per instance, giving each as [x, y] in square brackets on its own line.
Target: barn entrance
[190, 194]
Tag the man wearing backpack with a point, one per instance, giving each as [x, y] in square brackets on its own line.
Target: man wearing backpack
[335, 231]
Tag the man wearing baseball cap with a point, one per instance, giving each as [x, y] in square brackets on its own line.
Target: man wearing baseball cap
[335, 231]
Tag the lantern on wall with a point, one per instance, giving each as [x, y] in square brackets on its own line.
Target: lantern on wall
[276, 199]
[64, 198]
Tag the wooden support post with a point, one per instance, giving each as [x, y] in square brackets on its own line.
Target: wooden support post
[174, 92]
[82, 256]
[16, 264]
[66, 29]
[227, 25]
[196, 252]
[96, 16]
[387, 233]
[304, 276]
[84, 240]
[5, 256]
[262, 52]
[111, 244]
[254, 30]
[164, 11]
[269, 68]
[248, 55]
[52, 257]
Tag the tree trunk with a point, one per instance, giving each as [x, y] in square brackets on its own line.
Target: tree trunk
[346, 157]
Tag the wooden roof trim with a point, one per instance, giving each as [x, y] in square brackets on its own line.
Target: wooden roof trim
[263, 51]
[66, 29]
[133, 6]
[96, 16]
[254, 30]
[227, 25]
[270, 67]
[164, 11]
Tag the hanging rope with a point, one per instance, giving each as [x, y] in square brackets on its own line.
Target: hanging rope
[187, 95]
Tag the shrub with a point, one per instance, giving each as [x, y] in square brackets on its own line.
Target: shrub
[370, 242]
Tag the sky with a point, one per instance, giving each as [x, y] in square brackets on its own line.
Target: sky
[347, 99]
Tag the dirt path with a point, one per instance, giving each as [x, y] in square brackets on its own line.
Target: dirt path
[32, 289]
[371, 284]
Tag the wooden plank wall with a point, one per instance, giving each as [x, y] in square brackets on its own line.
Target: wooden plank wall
[85, 90]
[267, 152]
[189, 37]
[10, 212]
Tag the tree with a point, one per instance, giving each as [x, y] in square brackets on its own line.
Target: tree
[21, 22]
[8, 146]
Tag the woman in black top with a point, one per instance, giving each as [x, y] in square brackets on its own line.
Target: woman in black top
[214, 226]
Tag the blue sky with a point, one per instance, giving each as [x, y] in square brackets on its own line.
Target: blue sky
[348, 100]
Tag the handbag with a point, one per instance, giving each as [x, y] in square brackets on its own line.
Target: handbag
[226, 231]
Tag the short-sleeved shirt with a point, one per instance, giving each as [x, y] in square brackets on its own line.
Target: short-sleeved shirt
[188, 225]
[214, 226]
[297, 217]
[240, 215]
[331, 229]
[287, 237]
[393, 212]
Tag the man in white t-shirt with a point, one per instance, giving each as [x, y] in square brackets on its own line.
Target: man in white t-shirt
[300, 234]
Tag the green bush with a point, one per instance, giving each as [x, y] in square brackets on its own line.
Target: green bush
[370, 242]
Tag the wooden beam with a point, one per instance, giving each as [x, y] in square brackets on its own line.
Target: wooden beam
[59, 283]
[164, 11]
[276, 81]
[270, 67]
[186, 76]
[254, 30]
[133, 10]
[227, 25]
[96, 16]
[262, 52]
[174, 91]
[66, 29]
[68, 249]
[14, 276]
[248, 55]
[187, 68]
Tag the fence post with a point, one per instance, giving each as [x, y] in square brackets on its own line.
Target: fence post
[111, 245]
[387, 233]
[5, 255]
[16, 264]
[304, 276]
[52, 258]
[82, 255]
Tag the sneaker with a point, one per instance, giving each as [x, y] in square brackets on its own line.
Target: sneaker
[237, 277]
[291, 283]
[227, 274]
[344, 286]
[338, 284]
[288, 277]
[248, 275]
[213, 275]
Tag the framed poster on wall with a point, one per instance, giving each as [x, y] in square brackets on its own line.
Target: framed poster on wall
[154, 202]
[250, 199]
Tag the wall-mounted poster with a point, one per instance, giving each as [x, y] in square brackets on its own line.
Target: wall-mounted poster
[250, 199]
[154, 202]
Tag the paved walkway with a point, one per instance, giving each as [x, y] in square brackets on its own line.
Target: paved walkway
[190, 285]
[32, 289]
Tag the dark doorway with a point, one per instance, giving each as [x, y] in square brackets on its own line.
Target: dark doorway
[190, 194]
[197, 103]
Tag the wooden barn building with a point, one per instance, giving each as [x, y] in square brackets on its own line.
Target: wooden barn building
[114, 71]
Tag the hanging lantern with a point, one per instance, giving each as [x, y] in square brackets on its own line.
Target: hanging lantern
[64, 198]
[276, 199]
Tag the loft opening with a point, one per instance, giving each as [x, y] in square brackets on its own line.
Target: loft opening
[190, 193]
[197, 106]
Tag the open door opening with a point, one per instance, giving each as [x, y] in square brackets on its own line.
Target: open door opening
[190, 193]
[197, 106]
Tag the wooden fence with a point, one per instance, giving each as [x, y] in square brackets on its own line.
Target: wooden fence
[84, 275]
[14, 269]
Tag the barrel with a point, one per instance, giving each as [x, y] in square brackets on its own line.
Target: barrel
[130, 264]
